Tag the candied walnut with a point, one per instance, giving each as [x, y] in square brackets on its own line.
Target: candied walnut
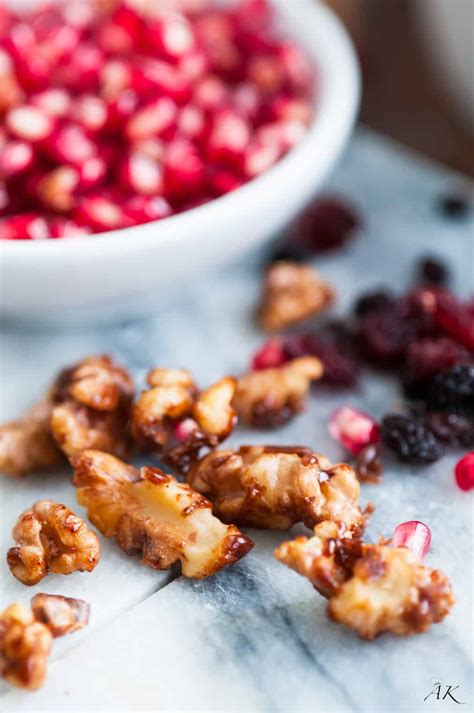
[271, 397]
[291, 293]
[26, 635]
[150, 512]
[62, 615]
[371, 588]
[92, 404]
[277, 487]
[51, 538]
[179, 423]
[27, 444]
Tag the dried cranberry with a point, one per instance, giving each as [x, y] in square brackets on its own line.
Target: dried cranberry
[369, 464]
[464, 472]
[432, 271]
[373, 302]
[334, 347]
[452, 390]
[427, 357]
[455, 319]
[327, 224]
[452, 429]
[384, 338]
[270, 355]
[410, 439]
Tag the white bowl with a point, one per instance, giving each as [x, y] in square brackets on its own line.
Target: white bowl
[122, 273]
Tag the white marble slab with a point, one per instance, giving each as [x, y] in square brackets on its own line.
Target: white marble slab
[255, 637]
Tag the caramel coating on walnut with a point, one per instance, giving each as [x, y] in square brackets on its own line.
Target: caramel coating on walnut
[27, 444]
[26, 635]
[371, 588]
[51, 538]
[150, 512]
[277, 487]
[269, 398]
[291, 293]
[92, 405]
[173, 399]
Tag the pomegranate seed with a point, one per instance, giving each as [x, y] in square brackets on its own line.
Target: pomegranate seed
[281, 134]
[115, 77]
[90, 112]
[153, 148]
[55, 102]
[353, 429]
[192, 123]
[152, 77]
[56, 188]
[259, 157]
[141, 209]
[464, 472]
[29, 123]
[254, 15]
[229, 137]
[92, 172]
[415, 535]
[154, 119]
[119, 33]
[298, 70]
[100, 213]
[26, 226]
[70, 144]
[272, 354]
[184, 429]
[172, 37]
[184, 173]
[246, 99]
[15, 157]
[65, 228]
[266, 73]
[291, 109]
[222, 181]
[84, 70]
[211, 93]
[121, 109]
[142, 174]
[193, 65]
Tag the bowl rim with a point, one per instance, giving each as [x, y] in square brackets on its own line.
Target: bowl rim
[336, 103]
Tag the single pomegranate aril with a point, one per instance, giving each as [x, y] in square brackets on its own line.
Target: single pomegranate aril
[415, 535]
[464, 472]
[65, 228]
[69, 144]
[228, 139]
[141, 209]
[221, 182]
[90, 112]
[172, 37]
[142, 175]
[211, 93]
[92, 173]
[184, 171]
[56, 189]
[153, 120]
[271, 355]
[15, 157]
[27, 226]
[29, 123]
[55, 102]
[259, 157]
[326, 225]
[100, 213]
[184, 429]
[353, 429]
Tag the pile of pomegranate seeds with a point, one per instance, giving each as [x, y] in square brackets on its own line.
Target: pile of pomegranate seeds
[415, 535]
[115, 114]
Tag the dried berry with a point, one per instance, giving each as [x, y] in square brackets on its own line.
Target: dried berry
[410, 439]
[452, 390]
[451, 429]
[384, 337]
[270, 355]
[428, 357]
[374, 301]
[369, 464]
[432, 271]
[327, 224]
[464, 472]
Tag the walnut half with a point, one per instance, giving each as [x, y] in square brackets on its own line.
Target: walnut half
[51, 538]
[26, 635]
[291, 293]
[276, 487]
[269, 398]
[150, 512]
[179, 423]
[371, 588]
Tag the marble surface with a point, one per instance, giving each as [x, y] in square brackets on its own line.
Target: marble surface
[255, 637]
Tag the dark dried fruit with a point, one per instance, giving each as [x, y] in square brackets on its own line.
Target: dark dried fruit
[327, 224]
[376, 301]
[452, 390]
[369, 464]
[384, 338]
[454, 206]
[410, 439]
[432, 271]
[428, 357]
[451, 429]
[333, 345]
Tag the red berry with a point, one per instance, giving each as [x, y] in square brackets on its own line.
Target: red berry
[270, 355]
[464, 472]
[353, 429]
[327, 224]
[415, 535]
